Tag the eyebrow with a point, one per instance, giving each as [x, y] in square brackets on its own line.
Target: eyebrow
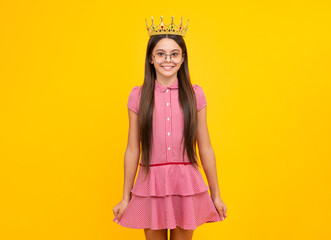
[170, 51]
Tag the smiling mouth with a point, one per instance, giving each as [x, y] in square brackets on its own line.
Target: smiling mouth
[168, 68]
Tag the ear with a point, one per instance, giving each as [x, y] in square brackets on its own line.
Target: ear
[182, 60]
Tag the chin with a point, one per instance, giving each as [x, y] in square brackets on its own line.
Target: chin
[168, 74]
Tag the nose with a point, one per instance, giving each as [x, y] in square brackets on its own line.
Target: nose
[166, 57]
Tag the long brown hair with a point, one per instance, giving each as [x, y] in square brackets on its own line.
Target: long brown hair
[187, 101]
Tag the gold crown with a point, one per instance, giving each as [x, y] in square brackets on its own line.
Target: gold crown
[167, 28]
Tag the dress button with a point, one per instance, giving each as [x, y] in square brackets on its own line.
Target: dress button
[168, 119]
[168, 148]
[167, 104]
[168, 133]
[167, 90]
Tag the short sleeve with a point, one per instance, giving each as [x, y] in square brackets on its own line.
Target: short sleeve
[134, 99]
[200, 97]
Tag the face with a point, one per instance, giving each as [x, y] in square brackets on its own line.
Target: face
[166, 46]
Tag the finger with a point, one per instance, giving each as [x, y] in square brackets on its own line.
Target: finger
[116, 216]
[224, 215]
[220, 212]
[116, 212]
[119, 216]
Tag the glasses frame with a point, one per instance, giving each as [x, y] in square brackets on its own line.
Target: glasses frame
[165, 59]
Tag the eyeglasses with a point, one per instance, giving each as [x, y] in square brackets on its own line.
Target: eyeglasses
[161, 57]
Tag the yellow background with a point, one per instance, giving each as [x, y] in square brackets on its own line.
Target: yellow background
[66, 70]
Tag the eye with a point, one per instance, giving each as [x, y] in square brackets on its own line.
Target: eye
[175, 54]
[159, 53]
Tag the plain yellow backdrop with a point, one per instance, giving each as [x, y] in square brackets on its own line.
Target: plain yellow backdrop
[66, 71]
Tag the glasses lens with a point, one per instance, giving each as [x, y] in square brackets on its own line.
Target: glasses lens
[160, 57]
[176, 57]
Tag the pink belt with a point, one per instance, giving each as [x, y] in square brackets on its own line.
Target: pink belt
[166, 163]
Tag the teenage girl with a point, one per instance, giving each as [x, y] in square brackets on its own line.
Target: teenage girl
[167, 118]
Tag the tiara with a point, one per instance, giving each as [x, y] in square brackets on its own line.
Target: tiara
[167, 28]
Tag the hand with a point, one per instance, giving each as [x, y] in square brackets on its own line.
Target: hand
[220, 206]
[119, 209]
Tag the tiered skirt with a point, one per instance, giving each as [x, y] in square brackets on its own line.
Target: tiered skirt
[171, 195]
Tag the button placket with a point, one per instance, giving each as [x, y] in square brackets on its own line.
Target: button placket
[168, 125]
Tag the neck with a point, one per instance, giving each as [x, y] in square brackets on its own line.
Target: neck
[166, 81]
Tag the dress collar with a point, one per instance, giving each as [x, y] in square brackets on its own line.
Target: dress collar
[162, 88]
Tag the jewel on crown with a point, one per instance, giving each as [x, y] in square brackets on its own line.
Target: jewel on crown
[171, 28]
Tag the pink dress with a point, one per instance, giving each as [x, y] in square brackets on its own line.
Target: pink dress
[174, 193]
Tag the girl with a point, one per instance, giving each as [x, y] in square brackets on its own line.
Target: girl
[167, 115]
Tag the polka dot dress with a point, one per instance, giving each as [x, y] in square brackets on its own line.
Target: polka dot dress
[174, 192]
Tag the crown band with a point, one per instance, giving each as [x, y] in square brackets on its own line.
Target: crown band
[167, 28]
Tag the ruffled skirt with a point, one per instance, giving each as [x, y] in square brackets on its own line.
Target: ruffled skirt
[171, 196]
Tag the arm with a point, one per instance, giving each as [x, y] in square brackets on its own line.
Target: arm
[132, 154]
[206, 153]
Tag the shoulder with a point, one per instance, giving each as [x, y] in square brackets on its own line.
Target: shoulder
[135, 91]
[134, 98]
[198, 89]
[200, 96]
